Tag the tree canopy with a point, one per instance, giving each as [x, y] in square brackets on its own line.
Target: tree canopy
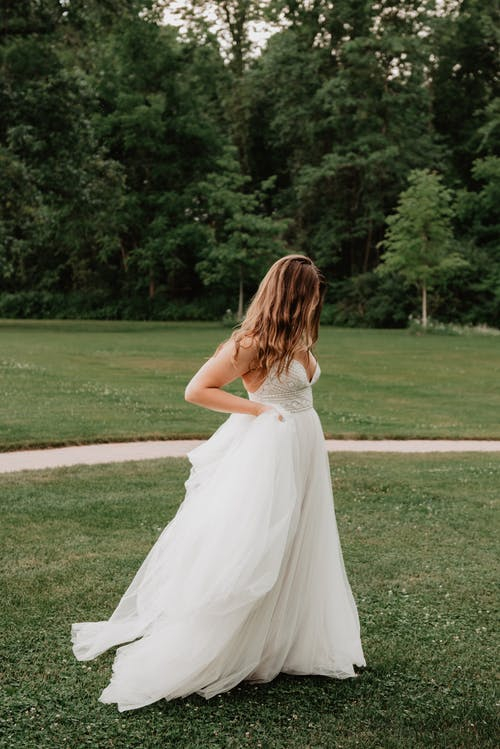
[155, 172]
[419, 240]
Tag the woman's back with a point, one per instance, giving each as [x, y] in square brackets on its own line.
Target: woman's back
[291, 390]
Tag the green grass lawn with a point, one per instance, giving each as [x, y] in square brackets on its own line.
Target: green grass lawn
[418, 539]
[67, 382]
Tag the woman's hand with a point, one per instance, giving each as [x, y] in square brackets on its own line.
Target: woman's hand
[263, 407]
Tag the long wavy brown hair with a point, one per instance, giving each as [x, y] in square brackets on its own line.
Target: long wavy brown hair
[283, 316]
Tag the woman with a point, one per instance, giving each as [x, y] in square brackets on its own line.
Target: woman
[247, 580]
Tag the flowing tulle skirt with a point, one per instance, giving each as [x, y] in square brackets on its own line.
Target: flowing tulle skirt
[246, 581]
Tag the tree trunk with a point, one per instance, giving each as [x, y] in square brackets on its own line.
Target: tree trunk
[424, 305]
[368, 246]
[124, 255]
[239, 314]
[151, 286]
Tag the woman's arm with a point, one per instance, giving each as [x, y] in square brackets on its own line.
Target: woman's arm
[204, 389]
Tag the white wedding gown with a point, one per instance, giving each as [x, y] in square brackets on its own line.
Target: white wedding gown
[247, 580]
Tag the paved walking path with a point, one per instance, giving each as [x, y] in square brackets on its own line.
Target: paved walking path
[116, 452]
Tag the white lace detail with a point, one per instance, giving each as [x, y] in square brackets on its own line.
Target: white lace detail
[292, 390]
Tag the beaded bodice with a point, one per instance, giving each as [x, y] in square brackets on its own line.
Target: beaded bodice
[292, 390]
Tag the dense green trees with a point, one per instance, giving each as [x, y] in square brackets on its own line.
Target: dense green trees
[352, 119]
[60, 190]
[158, 118]
[241, 242]
[149, 173]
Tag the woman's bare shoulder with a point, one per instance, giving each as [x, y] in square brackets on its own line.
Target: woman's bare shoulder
[248, 349]
[249, 342]
[242, 352]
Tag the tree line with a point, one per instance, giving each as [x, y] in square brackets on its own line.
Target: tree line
[154, 173]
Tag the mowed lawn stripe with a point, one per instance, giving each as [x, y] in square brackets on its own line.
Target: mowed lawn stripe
[76, 382]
